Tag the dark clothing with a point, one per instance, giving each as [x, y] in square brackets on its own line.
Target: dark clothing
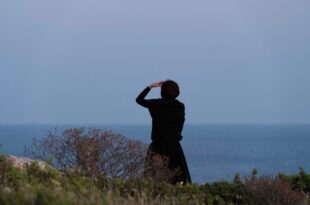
[174, 152]
[168, 116]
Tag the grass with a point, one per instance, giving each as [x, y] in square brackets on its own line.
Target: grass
[35, 186]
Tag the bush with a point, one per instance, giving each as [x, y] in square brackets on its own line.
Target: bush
[267, 190]
[300, 181]
[100, 167]
[157, 167]
[96, 153]
[91, 151]
[32, 185]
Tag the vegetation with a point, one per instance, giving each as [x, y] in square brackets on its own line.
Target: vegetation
[300, 181]
[94, 153]
[75, 184]
[33, 185]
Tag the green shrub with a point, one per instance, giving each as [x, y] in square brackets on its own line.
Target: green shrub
[80, 179]
[33, 185]
[300, 181]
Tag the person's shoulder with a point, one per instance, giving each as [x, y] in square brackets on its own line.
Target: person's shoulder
[181, 104]
[179, 101]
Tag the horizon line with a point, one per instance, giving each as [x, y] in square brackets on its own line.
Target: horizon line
[122, 123]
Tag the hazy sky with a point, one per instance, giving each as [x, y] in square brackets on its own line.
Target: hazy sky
[74, 61]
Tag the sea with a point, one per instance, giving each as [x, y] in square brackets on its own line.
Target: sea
[214, 152]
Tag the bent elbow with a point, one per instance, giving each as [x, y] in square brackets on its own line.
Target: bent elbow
[138, 101]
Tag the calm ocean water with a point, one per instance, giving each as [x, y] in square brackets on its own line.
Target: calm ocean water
[213, 152]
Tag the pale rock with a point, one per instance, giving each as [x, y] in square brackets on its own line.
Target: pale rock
[23, 162]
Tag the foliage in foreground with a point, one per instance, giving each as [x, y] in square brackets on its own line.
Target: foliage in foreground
[32, 186]
[99, 167]
[95, 152]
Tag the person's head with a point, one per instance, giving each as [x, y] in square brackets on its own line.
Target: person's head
[170, 89]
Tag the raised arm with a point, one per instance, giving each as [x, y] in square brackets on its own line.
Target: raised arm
[141, 97]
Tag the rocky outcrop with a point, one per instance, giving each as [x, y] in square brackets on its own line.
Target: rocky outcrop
[23, 162]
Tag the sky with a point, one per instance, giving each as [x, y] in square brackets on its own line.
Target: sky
[74, 61]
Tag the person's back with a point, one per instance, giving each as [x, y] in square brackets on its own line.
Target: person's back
[168, 116]
[167, 119]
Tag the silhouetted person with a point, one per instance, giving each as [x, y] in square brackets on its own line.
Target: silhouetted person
[168, 116]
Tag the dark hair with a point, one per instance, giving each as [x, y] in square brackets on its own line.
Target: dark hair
[170, 89]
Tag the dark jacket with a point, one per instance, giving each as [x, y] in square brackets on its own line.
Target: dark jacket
[168, 116]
